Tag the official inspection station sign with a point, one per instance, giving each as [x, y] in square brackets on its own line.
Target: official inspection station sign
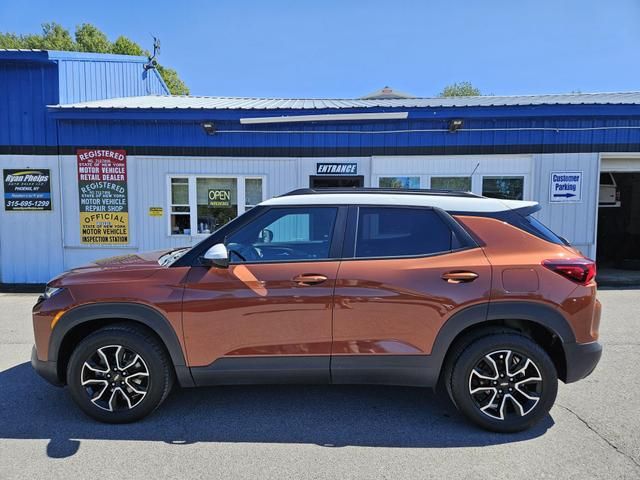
[102, 189]
[27, 190]
[565, 187]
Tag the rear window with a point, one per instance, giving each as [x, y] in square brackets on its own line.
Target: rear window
[541, 230]
[397, 232]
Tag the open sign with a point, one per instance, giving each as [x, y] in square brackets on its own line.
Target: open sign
[219, 197]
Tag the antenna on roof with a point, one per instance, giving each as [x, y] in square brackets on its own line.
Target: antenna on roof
[153, 63]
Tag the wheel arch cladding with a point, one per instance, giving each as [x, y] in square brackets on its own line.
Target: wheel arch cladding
[85, 319]
[529, 317]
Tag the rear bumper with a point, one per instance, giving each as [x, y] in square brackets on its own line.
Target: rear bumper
[581, 359]
[47, 370]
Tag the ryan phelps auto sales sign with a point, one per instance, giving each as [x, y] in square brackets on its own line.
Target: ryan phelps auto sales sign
[27, 189]
[104, 206]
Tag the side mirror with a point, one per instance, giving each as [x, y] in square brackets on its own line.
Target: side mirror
[216, 256]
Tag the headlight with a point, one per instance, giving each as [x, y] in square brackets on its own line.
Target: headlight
[51, 291]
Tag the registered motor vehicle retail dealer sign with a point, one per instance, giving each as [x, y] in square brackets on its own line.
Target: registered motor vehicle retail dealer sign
[27, 189]
[565, 187]
[103, 195]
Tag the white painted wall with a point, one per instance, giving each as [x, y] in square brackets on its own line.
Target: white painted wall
[577, 222]
[35, 246]
[31, 242]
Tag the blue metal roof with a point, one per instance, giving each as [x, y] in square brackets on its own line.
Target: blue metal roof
[105, 103]
[32, 79]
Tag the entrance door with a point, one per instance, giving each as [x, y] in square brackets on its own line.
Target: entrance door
[347, 181]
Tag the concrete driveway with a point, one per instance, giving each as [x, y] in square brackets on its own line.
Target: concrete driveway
[303, 432]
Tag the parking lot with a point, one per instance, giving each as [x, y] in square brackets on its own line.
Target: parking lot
[321, 431]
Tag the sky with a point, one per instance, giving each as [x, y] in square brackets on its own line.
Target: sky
[346, 49]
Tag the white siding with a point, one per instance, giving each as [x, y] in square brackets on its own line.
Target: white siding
[35, 246]
[147, 181]
[31, 242]
[574, 221]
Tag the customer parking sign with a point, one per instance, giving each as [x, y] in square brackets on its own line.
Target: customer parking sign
[565, 187]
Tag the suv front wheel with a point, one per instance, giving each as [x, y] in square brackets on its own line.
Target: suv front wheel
[504, 382]
[119, 374]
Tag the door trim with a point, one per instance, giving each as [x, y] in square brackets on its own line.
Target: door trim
[264, 370]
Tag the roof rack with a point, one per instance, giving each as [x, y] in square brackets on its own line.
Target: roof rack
[394, 191]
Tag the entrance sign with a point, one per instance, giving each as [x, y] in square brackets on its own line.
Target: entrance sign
[565, 187]
[102, 189]
[27, 190]
[336, 168]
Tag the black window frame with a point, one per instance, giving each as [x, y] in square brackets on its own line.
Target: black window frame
[193, 256]
[463, 238]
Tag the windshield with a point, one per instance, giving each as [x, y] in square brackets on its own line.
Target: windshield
[168, 258]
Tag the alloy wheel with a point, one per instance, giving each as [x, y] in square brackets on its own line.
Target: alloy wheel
[504, 384]
[115, 378]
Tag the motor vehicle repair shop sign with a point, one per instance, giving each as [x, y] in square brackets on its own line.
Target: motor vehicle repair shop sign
[565, 187]
[27, 189]
[102, 188]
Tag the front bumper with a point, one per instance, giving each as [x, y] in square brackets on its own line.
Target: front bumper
[581, 359]
[47, 370]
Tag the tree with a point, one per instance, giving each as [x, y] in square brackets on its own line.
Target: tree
[88, 38]
[462, 89]
[171, 78]
[56, 37]
[124, 46]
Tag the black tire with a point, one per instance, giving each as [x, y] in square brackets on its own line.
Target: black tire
[157, 382]
[476, 353]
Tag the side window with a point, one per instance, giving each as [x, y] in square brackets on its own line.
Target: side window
[506, 188]
[396, 232]
[285, 234]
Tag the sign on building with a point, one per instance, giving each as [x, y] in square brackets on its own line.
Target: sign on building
[103, 195]
[336, 168]
[27, 190]
[565, 187]
[156, 211]
[220, 197]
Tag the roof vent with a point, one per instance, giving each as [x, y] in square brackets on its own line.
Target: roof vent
[386, 93]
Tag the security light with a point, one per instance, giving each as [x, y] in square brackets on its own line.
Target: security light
[455, 125]
[209, 128]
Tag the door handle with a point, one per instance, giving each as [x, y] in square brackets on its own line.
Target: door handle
[309, 279]
[459, 277]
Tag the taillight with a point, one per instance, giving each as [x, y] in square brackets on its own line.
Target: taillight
[579, 270]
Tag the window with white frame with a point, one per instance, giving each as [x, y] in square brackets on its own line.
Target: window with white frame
[399, 182]
[503, 187]
[459, 183]
[200, 204]
[180, 215]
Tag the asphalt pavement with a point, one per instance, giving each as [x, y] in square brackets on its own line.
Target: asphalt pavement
[301, 432]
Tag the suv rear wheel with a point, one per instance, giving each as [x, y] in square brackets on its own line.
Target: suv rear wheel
[119, 374]
[502, 381]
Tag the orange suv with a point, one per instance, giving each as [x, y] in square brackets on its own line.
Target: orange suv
[396, 287]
